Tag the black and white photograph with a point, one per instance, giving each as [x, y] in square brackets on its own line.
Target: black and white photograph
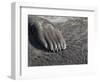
[52, 41]
[57, 40]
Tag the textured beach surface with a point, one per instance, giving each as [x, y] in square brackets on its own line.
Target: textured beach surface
[75, 33]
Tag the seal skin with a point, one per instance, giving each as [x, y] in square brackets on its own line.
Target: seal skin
[48, 36]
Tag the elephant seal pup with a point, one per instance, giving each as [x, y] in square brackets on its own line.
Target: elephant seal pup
[48, 36]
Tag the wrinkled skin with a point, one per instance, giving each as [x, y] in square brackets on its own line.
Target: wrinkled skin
[49, 37]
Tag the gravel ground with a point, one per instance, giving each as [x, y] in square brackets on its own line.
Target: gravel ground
[74, 31]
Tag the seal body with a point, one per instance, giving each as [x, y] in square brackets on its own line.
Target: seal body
[48, 36]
